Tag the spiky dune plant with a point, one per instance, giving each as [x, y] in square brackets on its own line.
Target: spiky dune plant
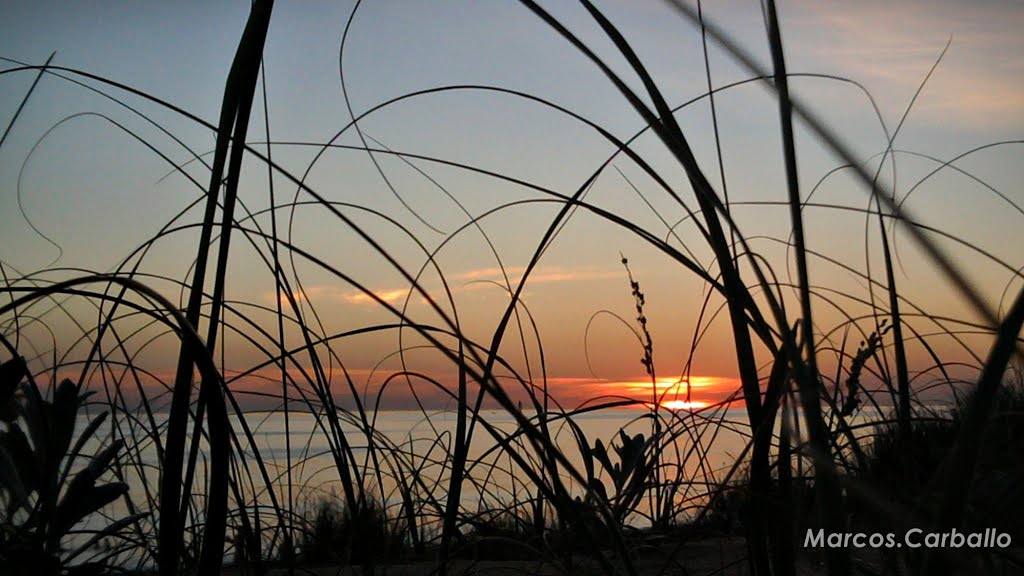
[43, 499]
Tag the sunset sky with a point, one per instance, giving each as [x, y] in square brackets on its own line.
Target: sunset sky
[98, 193]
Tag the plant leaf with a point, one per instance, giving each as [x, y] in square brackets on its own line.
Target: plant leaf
[12, 373]
[33, 410]
[601, 453]
[90, 499]
[101, 461]
[82, 439]
[586, 453]
[23, 459]
[113, 528]
[63, 413]
[80, 496]
[11, 484]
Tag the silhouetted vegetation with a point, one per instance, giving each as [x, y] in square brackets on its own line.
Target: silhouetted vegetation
[907, 472]
[363, 537]
[45, 491]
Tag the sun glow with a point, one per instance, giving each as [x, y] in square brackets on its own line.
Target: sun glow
[673, 384]
[684, 405]
[677, 394]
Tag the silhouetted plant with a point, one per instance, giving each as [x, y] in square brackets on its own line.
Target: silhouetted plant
[504, 535]
[909, 473]
[334, 534]
[868, 348]
[43, 500]
[629, 475]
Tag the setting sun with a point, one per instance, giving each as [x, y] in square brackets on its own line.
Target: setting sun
[684, 405]
[676, 393]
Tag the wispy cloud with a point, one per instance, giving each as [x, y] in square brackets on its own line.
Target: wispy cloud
[484, 277]
[385, 295]
[891, 46]
[325, 293]
[474, 279]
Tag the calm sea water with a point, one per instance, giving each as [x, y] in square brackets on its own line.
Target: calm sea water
[422, 443]
[414, 444]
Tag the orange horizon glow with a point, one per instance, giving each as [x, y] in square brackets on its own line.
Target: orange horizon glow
[265, 384]
[677, 394]
[684, 405]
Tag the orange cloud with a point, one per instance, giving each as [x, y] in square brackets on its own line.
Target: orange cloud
[483, 277]
[385, 295]
[470, 280]
[314, 293]
[704, 390]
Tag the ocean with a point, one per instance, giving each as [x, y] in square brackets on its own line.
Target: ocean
[410, 452]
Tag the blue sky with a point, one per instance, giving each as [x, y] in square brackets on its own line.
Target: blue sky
[99, 194]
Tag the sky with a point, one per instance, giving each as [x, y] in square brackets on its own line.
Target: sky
[81, 187]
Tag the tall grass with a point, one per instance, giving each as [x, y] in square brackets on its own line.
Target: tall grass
[570, 500]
